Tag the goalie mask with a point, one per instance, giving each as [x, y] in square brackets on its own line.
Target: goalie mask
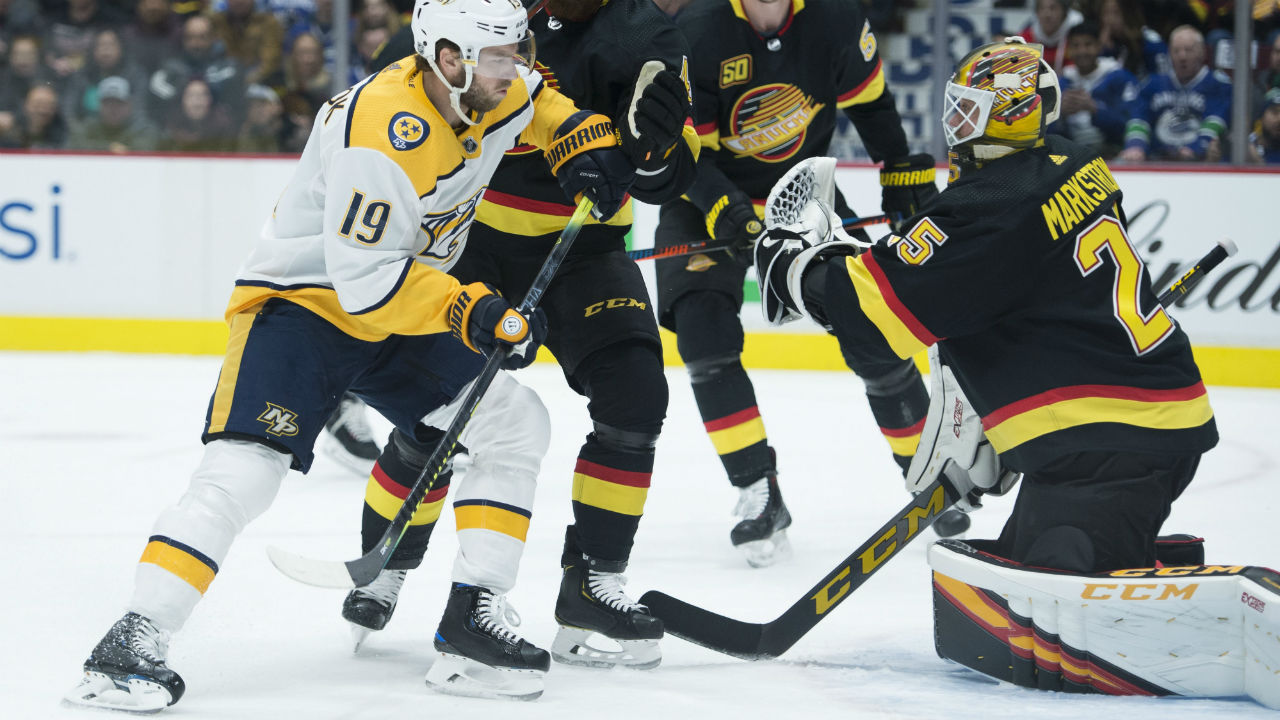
[1001, 98]
[492, 37]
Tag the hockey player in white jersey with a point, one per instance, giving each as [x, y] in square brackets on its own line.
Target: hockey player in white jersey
[346, 289]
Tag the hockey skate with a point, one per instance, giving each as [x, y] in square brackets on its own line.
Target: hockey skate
[126, 670]
[369, 608]
[350, 441]
[599, 625]
[761, 532]
[479, 654]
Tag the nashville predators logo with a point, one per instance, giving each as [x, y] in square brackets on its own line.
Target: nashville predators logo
[769, 122]
[280, 421]
[407, 131]
[446, 230]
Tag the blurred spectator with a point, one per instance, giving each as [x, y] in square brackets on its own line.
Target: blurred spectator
[1125, 36]
[366, 48]
[25, 70]
[1181, 115]
[319, 24]
[197, 125]
[152, 36]
[70, 32]
[1165, 15]
[375, 14]
[265, 129]
[1264, 142]
[254, 39]
[114, 127]
[39, 125]
[308, 84]
[1096, 93]
[187, 8]
[17, 17]
[80, 96]
[1268, 78]
[1049, 27]
[202, 56]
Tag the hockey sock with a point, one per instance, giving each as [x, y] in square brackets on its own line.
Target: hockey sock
[727, 403]
[610, 485]
[899, 403]
[392, 478]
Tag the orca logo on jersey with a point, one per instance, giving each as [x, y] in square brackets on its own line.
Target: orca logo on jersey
[407, 131]
[769, 122]
[279, 420]
[446, 230]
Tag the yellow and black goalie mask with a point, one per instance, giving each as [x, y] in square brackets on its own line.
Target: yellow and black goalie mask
[1003, 94]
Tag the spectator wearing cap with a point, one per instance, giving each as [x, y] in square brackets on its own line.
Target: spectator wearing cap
[1096, 93]
[265, 128]
[115, 126]
[1264, 142]
[254, 39]
[1049, 27]
[106, 59]
[1181, 114]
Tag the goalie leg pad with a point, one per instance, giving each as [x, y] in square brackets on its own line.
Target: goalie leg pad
[1196, 630]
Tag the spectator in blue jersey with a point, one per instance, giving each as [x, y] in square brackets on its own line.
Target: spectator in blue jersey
[1264, 143]
[1182, 114]
[1096, 93]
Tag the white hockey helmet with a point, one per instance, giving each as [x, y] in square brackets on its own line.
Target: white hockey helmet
[478, 28]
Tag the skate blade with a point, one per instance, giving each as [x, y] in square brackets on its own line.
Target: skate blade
[456, 675]
[586, 648]
[101, 692]
[333, 448]
[359, 634]
[766, 552]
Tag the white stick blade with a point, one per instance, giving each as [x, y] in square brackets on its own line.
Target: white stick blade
[308, 571]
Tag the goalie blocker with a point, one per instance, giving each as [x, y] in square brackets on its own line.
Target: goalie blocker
[1182, 629]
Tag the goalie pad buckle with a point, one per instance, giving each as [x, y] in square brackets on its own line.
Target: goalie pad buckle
[1195, 630]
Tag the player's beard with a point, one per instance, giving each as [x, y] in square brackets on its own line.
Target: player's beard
[573, 10]
[481, 101]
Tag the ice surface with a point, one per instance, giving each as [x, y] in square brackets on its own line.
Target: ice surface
[92, 446]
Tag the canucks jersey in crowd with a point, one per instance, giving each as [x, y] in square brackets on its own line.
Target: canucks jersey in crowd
[1113, 89]
[1168, 115]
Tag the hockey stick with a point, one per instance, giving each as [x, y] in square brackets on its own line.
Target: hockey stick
[704, 246]
[757, 641]
[364, 569]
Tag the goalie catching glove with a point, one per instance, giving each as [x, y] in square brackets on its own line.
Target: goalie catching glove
[907, 185]
[952, 442]
[483, 320]
[586, 161]
[652, 119]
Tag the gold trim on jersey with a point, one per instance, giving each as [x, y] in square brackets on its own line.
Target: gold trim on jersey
[241, 323]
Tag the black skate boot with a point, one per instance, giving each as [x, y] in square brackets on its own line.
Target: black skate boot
[761, 532]
[592, 602]
[369, 608]
[350, 440]
[126, 670]
[480, 655]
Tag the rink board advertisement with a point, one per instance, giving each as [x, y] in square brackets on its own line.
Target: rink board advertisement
[138, 254]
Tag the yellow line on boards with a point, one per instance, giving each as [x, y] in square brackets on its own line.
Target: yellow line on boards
[1233, 366]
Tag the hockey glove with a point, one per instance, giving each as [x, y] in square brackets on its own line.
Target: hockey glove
[952, 442]
[586, 161]
[483, 320]
[733, 219]
[907, 185]
[653, 118]
[785, 252]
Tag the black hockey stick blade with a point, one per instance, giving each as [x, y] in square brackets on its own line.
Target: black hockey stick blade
[758, 641]
[364, 569]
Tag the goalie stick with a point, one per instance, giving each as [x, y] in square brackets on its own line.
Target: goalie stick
[364, 569]
[701, 246]
[758, 641]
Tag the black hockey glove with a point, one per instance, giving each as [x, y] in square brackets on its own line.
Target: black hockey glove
[733, 219]
[482, 319]
[907, 185]
[586, 160]
[651, 121]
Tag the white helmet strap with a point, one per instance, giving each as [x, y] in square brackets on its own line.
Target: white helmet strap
[455, 92]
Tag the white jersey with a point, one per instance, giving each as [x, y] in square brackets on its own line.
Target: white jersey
[381, 201]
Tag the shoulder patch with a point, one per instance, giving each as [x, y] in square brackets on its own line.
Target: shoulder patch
[407, 131]
[1057, 159]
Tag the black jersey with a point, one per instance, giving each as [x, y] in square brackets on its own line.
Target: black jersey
[595, 63]
[763, 104]
[1023, 272]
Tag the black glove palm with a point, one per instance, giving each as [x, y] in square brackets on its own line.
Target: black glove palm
[908, 184]
[733, 219]
[653, 118]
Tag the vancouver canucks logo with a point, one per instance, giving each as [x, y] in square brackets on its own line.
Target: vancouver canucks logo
[445, 231]
[407, 131]
[769, 122]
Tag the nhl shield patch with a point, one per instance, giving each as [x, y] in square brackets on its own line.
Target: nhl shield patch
[407, 131]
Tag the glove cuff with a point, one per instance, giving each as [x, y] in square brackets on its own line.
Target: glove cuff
[913, 170]
[722, 206]
[460, 310]
[583, 131]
